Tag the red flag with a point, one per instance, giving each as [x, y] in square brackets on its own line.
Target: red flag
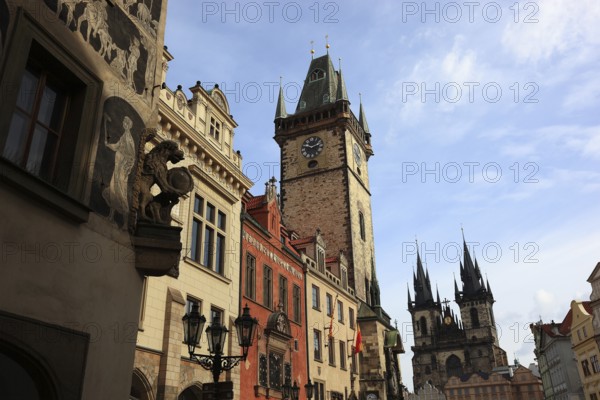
[358, 341]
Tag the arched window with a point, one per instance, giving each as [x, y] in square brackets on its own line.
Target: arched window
[140, 387]
[361, 222]
[316, 74]
[423, 325]
[474, 318]
[453, 366]
[191, 393]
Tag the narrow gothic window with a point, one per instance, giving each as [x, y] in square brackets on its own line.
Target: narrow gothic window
[453, 366]
[474, 317]
[361, 222]
[423, 323]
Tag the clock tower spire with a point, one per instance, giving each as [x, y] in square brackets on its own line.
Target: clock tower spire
[325, 153]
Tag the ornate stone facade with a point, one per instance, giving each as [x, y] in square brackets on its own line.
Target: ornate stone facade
[449, 345]
[209, 266]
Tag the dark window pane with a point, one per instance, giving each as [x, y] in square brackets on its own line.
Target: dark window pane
[220, 254]
[210, 212]
[208, 246]
[41, 151]
[221, 221]
[196, 231]
[17, 137]
[28, 90]
[198, 205]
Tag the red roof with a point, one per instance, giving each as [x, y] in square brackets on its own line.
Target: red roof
[300, 242]
[564, 328]
[255, 202]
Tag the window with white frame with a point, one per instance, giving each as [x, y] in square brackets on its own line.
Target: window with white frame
[209, 232]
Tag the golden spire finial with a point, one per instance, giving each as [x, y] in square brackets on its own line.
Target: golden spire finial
[327, 43]
[280, 81]
[340, 63]
[312, 49]
[360, 101]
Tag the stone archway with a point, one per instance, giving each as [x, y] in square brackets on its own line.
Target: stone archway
[140, 387]
[193, 392]
[23, 376]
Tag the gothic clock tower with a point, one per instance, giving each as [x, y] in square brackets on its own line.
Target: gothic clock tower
[325, 153]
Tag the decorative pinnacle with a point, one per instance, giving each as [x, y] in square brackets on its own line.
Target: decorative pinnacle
[327, 43]
[312, 49]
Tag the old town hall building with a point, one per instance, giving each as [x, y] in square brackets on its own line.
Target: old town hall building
[325, 151]
[449, 345]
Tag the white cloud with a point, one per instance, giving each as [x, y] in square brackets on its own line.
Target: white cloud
[563, 26]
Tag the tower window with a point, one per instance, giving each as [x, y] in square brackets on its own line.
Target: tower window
[215, 129]
[361, 222]
[316, 75]
[474, 317]
[423, 325]
[453, 366]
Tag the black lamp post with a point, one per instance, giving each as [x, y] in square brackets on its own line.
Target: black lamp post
[193, 324]
[309, 387]
[291, 392]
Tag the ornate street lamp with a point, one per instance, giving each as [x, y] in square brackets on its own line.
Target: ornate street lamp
[309, 387]
[295, 391]
[290, 392]
[193, 323]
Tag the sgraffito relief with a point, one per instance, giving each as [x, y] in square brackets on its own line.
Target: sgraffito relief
[146, 12]
[115, 160]
[4, 20]
[113, 35]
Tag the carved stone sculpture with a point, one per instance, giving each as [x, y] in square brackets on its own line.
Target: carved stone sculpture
[173, 183]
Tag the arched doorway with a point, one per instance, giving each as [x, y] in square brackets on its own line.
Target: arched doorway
[23, 377]
[140, 387]
[191, 393]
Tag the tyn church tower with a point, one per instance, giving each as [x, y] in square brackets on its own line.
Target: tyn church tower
[446, 345]
[325, 153]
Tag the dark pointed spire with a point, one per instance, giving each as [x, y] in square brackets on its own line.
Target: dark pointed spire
[341, 94]
[456, 291]
[489, 289]
[438, 294]
[280, 112]
[320, 85]
[409, 299]
[423, 294]
[375, 291]
[470, 275]
[362, 119]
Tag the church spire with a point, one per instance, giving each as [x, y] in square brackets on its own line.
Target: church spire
[375, 292]
[341, 85]
[470, 274]
[423, 293]
[362, 119]
[280, 112]
[409, 299]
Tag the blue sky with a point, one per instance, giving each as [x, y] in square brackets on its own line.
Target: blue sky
[483, 115]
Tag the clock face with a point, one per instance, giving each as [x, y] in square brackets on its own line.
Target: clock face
[448, 320]
[372, 396]
[357, 154]
[312, 147]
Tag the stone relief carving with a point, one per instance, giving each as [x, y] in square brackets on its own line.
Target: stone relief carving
[173, 183]
[115, 194]
[114, 35]
[115, 163]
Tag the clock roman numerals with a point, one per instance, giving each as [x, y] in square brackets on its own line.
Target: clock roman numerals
[312, 147]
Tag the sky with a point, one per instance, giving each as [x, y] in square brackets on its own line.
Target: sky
[484, 116]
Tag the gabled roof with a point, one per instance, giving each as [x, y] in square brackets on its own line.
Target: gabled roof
[302, 241]
[255, 202]
[594, 273]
